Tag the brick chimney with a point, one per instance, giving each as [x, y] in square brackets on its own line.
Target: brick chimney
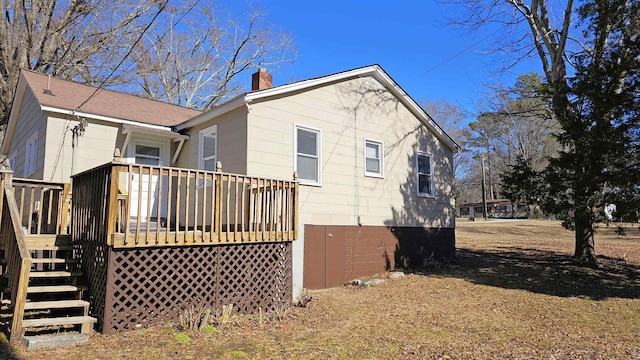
[261, 80]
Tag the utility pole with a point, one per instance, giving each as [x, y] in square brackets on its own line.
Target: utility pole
[484, 193]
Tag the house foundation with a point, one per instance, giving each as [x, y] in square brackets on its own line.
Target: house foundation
[334, 255]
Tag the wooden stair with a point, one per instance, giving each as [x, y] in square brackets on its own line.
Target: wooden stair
[54, 302]
[55, 289]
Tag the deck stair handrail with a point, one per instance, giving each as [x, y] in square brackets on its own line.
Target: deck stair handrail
[132, 205]
[18, 259]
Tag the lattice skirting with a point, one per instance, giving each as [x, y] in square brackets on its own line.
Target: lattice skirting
[93, 260]
[144, 287]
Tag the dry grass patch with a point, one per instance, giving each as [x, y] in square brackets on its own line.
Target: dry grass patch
[512, 292]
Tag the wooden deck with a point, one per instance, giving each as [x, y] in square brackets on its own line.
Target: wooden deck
[131, 205]
[126, 206]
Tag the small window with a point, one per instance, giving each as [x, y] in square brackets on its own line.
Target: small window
[147, 155]
[373, 158]
[307, 155]
[424, 178]
[208, 148]
[31, 155]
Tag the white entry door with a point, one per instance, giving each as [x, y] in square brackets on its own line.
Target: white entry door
[152, 153]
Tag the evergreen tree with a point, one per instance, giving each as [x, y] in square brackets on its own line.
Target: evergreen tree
[522, 183]
[599, 161]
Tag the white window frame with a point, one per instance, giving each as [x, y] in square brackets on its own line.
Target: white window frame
[431, 192]
[207, 132]
[161, 145]
[12, 160]
[318, 132]
[380, 145]
[31, 155]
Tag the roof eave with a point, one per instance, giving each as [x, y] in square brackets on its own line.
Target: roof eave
[214, 113]
[416, 109]
[52, 109]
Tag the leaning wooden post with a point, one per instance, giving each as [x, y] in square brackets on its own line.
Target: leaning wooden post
[112, 196]
[295, 205]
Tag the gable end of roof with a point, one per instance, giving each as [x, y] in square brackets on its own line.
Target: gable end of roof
[374, 71]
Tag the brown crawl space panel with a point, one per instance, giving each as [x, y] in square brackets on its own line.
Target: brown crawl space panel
[145, 287]
[333, 255]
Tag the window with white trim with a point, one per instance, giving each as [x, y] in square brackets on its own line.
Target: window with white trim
[424, 176]
[31, 155]
[373, 158]
[208, 148]
[147, 154]
[307, 155]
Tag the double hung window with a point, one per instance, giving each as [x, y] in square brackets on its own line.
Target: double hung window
[308, 155]
[208, 150]
[424, 175]
[373, 158]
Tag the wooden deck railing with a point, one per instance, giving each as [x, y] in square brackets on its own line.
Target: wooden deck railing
[18, 259]
[131, 205]
[43, 206]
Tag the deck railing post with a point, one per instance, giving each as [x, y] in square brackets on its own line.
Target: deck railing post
[66, 208]
[7, 174]
[6, 181]
[112, 203]
[218, 200]
[294, 204]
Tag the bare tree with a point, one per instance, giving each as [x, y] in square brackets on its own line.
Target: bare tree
[183, 53]
[197, 63]
[519, 122]
[66, 38]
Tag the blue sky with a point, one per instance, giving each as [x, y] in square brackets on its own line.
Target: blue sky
[409, 39]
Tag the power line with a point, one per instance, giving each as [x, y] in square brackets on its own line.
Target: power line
[458, 54]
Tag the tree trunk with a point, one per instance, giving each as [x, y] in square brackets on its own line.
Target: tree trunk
[585, 244]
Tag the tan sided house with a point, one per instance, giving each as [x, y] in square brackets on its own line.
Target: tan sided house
[322, 181]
